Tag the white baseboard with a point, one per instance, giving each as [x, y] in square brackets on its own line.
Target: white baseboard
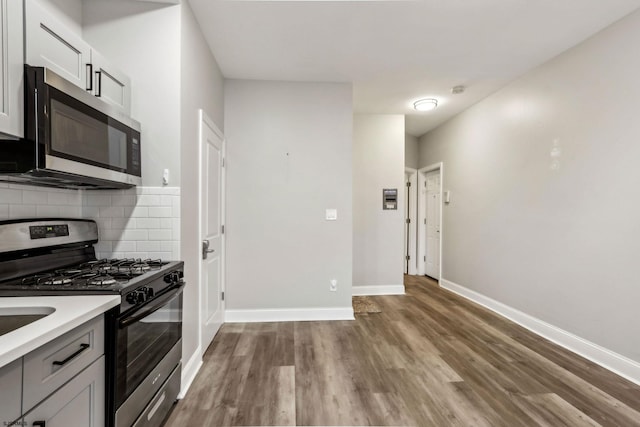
[189, 372]
[288, 315]
[377, 290]
[606, 358]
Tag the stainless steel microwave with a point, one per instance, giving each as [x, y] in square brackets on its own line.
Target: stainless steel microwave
[72, 139]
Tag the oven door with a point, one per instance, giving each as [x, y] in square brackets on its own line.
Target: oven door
[143, 338]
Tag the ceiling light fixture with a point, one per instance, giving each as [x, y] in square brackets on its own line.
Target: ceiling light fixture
[427, 104]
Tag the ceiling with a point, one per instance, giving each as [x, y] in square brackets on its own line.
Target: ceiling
[395, 52]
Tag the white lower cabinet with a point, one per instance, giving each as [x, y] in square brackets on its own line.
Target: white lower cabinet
[10, 392]
[80, 402]
[61, 383]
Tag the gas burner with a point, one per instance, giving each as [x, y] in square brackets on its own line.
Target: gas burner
[101, 280]
[55, 281]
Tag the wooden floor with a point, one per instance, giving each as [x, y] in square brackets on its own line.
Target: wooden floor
[430, 358]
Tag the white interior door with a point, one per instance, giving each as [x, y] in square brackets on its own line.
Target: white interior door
[407, 225]
[432, 259]
[211, 230]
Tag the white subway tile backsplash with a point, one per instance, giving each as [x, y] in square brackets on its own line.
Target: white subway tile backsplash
[149, 200]
[123, 200]
[122, 223]
[148, 223]
[70, 211]
[148, 246]
[22, 211]
[124, 246]
[160, 234]
[160, 212]
[111, 212]
[135, 223]
[97, 199]
[35, 197]
[58, 198]
[138, 212]
[10, 195]
[137, 235]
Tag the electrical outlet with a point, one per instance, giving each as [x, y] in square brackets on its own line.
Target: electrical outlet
[334, 285]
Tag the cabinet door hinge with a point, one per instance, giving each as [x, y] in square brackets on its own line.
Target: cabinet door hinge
[222, 229]
[408, 220]
[409, 184]
[223, 296]
[424, 258]
[425, 221]
[223, 162]
[408, 257]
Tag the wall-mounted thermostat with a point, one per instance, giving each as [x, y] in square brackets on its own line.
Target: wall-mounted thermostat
[390, 198]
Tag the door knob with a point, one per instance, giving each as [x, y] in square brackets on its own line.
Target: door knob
[205, 249]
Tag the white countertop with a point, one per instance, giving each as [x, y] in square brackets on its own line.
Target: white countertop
[70, 311]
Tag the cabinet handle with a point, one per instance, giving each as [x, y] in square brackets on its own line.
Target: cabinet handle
[39, 424]
[98, 84]
[83, 347]
[89, 77]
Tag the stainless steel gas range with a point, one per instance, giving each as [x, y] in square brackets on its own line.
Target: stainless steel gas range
[143, 335]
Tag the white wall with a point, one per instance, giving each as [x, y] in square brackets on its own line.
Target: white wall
[544, 212]
[288, 159]
[411, 154]
[378, 235]
[143, 40]
[202, 86]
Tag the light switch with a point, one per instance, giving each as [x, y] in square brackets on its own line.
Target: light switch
[331, 214]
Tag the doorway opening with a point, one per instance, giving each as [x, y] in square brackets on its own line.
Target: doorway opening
[410, 215]
[430, 229]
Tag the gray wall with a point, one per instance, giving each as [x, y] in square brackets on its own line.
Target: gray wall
[378, 235]
[143, 40]
[202, 87]
[544, 212]
[289, 157]
[411, 154]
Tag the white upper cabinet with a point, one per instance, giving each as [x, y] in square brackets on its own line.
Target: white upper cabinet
[49, 43]
[109, 84]
[11, 69]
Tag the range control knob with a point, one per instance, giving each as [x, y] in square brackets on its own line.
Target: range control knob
[141, 295]
[131, 298]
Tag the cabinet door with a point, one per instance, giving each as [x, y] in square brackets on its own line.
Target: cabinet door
[10, 392]
[11, 69]
[81, 402]
[50, 44]
[109, 84]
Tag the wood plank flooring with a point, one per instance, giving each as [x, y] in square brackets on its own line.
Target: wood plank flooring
[430, 358]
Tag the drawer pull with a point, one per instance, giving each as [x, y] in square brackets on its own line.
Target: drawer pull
[83, 347]
[39, 424]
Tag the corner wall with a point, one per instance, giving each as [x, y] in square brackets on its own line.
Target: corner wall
[289, 156]
[544, 212]
[378, 235]
[201, 87]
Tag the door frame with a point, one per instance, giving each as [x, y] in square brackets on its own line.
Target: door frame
[203, 119]
[413, 220]
[422, 215]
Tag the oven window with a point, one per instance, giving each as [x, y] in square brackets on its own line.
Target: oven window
[144, 343]
[86, 138]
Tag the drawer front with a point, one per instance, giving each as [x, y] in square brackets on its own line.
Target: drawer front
[55, 363]
[80, 402]
[10, 392]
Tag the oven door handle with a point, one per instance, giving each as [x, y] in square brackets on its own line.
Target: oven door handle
[153, 306]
